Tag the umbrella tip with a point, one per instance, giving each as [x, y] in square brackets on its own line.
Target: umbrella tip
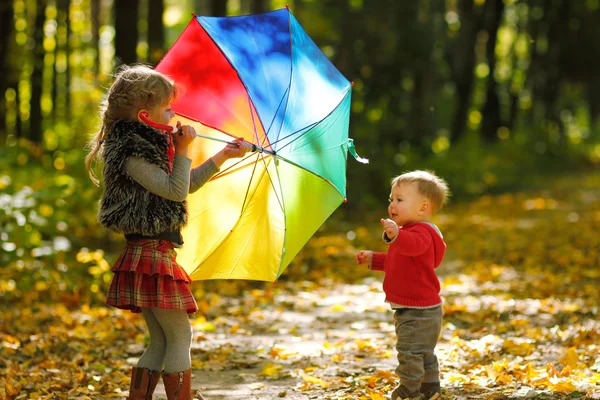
[345, 199]
[287, 6]
[193, 14]
[352, 83]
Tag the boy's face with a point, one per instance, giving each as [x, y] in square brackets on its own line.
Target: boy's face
[407, 204]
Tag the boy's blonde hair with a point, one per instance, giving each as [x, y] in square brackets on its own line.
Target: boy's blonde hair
[431, 186]
[135, 87]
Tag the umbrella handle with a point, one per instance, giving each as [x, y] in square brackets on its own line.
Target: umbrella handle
[173, 129]
[144, 117]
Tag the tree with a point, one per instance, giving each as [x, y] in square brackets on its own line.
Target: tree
[6, 27]
[35, 119]
[126, 32]
[95, 16]
[258, 6]
[63, 32]
[156, 31]
[462, 60]
[218, 8]
[491, 110]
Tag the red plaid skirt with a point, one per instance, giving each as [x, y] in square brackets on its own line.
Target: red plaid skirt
[147, 275]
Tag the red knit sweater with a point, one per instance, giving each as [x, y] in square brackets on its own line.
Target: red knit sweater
[409, 264]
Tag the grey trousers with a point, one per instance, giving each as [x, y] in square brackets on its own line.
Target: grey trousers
[417, 332]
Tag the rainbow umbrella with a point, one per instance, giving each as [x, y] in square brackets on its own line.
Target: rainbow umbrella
[262, 78]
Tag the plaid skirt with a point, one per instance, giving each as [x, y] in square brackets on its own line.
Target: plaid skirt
[147, 275]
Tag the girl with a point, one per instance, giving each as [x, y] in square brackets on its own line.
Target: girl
[146, 180]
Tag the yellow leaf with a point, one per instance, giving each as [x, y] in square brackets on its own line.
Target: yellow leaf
[570, 358]
[503, 379]
[375, 396]
[564, 386]
[315, 381]
[207, 327]
[12, 391]
[519, 349]
[271, 369]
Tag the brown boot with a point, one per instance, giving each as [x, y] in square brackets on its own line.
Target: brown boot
[430, 390]
[178, 386]
[402, 393]
[143, 383]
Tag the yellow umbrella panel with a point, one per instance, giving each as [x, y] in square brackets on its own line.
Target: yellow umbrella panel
[253, 217]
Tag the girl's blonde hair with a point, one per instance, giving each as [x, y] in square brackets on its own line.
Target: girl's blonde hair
[429, 185]
[135, 87]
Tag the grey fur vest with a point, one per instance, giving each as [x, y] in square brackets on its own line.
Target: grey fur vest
[126, 206]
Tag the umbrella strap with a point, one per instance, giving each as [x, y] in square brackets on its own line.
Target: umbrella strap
[352, 151]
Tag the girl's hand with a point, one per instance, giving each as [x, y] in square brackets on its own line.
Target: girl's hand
[390, 228]
[237, 149]
[364, 257]
[184, 136]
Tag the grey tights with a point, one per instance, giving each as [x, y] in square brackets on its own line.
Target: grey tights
[170, 341]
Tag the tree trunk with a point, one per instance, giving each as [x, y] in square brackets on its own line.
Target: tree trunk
[156, 31]
[6, 27]
[95, 17]
[35, 119]
[558, 20]
[218, 8]
[463, 63]
[201, 7]
[344, 53]
[62, 91]
[593, 96]
[491, 109]
[126, 32]
[258, 6]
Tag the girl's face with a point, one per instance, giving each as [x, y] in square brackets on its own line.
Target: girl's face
[161, 114]
[406, 204]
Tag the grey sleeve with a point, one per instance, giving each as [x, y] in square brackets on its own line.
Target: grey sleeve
[172, 187]
[201, 174]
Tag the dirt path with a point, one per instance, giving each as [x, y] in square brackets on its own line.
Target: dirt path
[303, 332]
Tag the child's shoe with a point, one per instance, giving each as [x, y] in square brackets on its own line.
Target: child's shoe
[402, 392]
[430, 389]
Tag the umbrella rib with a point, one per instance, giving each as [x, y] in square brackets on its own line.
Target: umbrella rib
[272, 185]
[284, 231]
[305, 129]
[273, 119]
[313, 124]
[234, 264]
[220, 173]
[248, 188]
[229, 234]
[291, 74]
[250, 103]
[236, 72]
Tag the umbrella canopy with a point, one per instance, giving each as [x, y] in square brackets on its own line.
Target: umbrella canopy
[262, 78]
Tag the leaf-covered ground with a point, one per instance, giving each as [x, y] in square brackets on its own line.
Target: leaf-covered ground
[520, 283]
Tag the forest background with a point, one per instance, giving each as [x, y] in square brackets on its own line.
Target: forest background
[500, 97]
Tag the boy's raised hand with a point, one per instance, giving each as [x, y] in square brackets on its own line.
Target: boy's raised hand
[363, 257]
[390, 228]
